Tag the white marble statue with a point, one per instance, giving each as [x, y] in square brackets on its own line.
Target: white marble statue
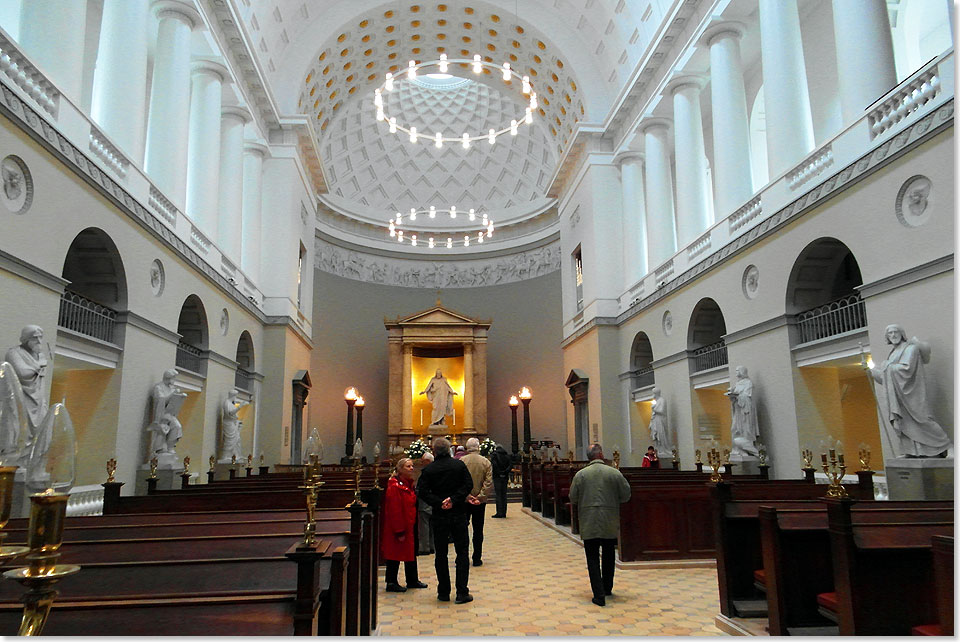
[13, 417]
[659, 432]
[440, 394]
[905, 405]
[230, 426]
[744, 428]
[30, 364]
[164, 429]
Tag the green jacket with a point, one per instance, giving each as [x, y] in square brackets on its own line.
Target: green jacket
[598, 490]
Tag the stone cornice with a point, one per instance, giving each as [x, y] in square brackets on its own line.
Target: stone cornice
[291, 325]
[757, 328]
[595, 322]
[135, 320]
[667, 360]
[223, 360]
[32, 273]
[912, 275]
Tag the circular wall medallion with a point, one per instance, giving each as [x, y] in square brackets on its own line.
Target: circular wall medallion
[17, 184]
[751, 281]
[157, 277]
[667, 323]
[224, 321]
[913, 201]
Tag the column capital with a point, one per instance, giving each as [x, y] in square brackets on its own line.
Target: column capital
[210, 66]
[256, 147]
[653, 122]
[628, 156]
[681, 81]
[236, 111]
[178, 9]
[719, 29]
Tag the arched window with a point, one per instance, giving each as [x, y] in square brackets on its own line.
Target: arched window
[192, 327]
[97, 288]
[245, 363]
[822, 292]
[705, 336]
[641, 361]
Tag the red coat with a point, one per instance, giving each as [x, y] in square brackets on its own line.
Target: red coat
[399, 519]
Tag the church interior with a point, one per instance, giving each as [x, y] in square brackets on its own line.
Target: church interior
[296, 238]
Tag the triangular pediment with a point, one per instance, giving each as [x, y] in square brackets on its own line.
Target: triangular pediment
[437, 315]
[575, 377]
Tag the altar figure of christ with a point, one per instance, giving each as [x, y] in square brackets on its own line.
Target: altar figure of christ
[440, 395]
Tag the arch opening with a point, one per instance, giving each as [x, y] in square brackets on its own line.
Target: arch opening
[705, 336]
[97, 290]
[192, 328]
[245, 362]
[641, 361]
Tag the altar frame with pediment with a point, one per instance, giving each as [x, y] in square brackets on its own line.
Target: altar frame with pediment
[436, 327]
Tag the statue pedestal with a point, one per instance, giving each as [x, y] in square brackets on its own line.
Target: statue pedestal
[928, 478]
[745, 464]
[221, 470]
[168, 474]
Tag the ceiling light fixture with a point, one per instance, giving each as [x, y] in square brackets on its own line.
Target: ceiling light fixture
[477, 64]
[394, 224]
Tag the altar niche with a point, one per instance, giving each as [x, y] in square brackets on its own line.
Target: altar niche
[418, 346]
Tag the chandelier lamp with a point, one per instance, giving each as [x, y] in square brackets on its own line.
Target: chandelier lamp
[442, 65]
[432, 240]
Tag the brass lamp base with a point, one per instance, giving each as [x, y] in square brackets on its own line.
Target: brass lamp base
[9, 552]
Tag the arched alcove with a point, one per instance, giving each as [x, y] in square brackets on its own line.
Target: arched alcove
[705, 336]
[245, 361]
[97, 288]
[821, 291]
[641, 361]
[192, 327]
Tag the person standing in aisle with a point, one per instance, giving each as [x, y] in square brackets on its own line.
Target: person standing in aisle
[481, 471]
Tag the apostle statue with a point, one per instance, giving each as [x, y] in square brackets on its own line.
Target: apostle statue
[440, 394]
[906, 407]
[165, 430]
[30, 364]
[744, 428]
[659, 432]
[230, 426]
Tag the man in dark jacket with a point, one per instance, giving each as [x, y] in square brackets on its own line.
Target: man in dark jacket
[445, 486]
[501, 472]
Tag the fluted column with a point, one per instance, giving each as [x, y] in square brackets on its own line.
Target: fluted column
[693, 188]
[865, 68]
[203, 157]
[661, 232]
[52, 34]
[230, 221]
[731, 130]
[120, 79]
[785, 94]
[634, 217]
[165, 157]
[253, 155]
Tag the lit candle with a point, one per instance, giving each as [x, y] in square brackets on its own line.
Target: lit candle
[421, 416]
[454, 416]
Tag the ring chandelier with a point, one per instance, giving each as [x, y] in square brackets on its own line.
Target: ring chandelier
[442, 64]
[397, 233]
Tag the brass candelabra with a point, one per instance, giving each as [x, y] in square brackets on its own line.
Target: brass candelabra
[865, 458]
[153, 469]
[697, 454]
[311, 484]
[675, 455]
[186, 465]
[713, 458]
[807, 456]
[249, 461]
[213, 462]
[570, 456]
[7, 474]
[834, 468]
[111, 470]
[616, 459]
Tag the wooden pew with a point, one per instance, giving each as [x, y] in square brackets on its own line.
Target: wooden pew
[943, 576]
[883, 573]
[526, 483]
[797, 562]
[548, 490]
[536, 486]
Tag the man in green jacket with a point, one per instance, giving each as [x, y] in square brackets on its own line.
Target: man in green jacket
[598, 490]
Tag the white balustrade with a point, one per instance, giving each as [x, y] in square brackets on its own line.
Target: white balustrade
[810, 167]
[85, 501]
[906, 100]
[15, 66]
[108, 153]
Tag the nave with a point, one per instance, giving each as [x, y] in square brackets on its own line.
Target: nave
[533, 582]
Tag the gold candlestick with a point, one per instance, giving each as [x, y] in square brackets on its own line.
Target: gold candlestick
[213, 461]
[186, 465]
[111, 469]
[153, 468]
[261, 459]
[834, 469]
[47, 513]
[713, 458]
[616, 459]
[7, 474]
[570, 456]
[698, 459]
[865, 458]
[676, 455]
[726, 457]
[249, 461]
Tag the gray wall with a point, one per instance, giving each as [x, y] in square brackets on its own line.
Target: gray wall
[350, 348]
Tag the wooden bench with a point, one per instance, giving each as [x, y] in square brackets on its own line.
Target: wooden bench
[943, 576]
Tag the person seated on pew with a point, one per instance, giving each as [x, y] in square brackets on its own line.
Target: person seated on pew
[399, 524]
[650, 460]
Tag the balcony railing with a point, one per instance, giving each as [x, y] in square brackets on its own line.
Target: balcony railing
[643, 377]
[836, 317]
[189, 357]
[243, 380]
[82, 315]
[711, 356]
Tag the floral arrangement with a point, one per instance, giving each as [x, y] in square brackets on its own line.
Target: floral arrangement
[487, 446]
[416, 449]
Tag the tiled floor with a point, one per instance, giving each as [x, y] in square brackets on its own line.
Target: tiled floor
[534, 582]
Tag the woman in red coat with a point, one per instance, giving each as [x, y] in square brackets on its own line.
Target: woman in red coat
[399, 526]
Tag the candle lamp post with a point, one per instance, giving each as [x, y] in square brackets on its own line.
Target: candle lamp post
[525, 397]
[358, 406]
[350, 396]
[514, 437]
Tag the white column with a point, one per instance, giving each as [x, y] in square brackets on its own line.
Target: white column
[52, 33]
[731, 130]
[634, 218]
[865, 67]
[230, 222]
[785, 94]
[693, 189]
[165, 157]
[120, 79]
[253, 155]
[661, 233]
[203, 156]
